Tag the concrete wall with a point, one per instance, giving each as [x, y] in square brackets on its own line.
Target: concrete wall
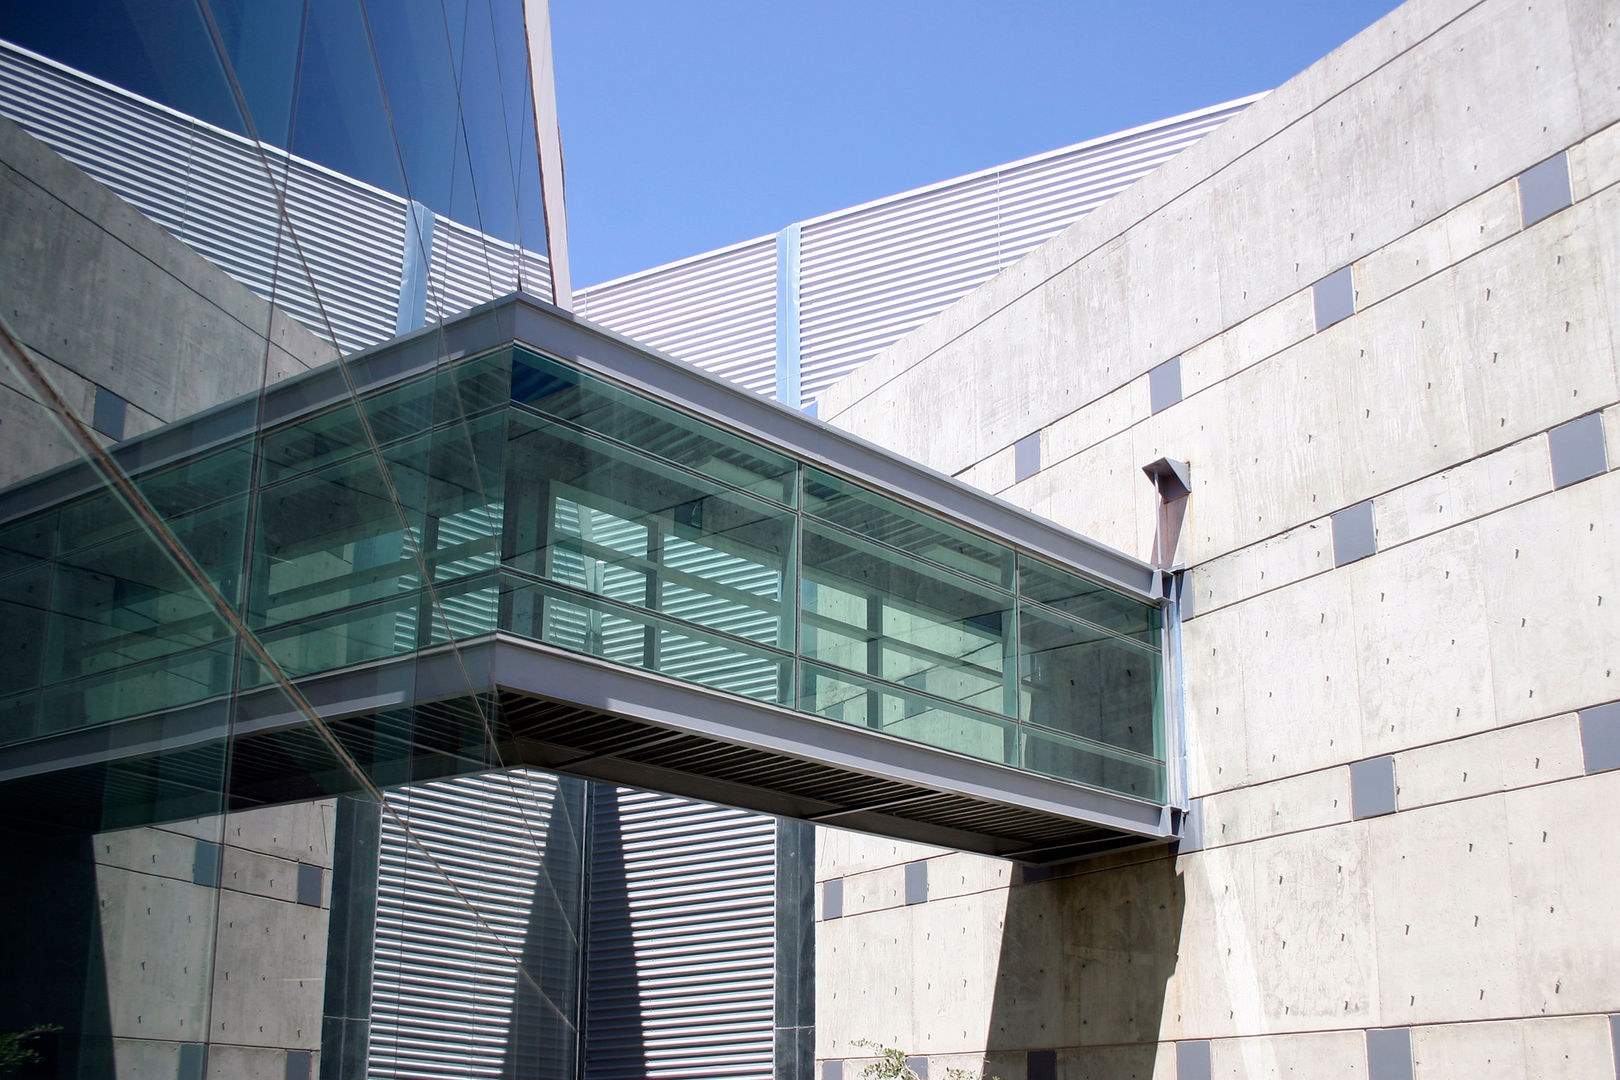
[1459, 670]
[109, 299]
[219, 936]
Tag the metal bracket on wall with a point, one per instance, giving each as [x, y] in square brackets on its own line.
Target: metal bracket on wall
[1172, 480]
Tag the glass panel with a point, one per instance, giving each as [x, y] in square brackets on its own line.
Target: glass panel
[590, 514]
[894, 710]
[597, 626]
[1082, 681]
[663, 432]
[1089, 763]
[881, 613]
[890, 522]
[1084, 599]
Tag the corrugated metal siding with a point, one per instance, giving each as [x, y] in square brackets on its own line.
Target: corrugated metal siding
[717, 312]
[136, 149]
[352, 237]
[681, 940]
[210, 188]
[470, 268]
[448, 996]
[871, 274]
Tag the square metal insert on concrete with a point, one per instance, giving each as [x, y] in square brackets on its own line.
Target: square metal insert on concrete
[1354, 535]
[1192, 1060]
[1027, 457]
[1164, 384]
[1335, 298]
[1372, 787]
[1577, 450]
[1600, 737]
[1544, 189]
[917, 881]
[832, 899]
[1389, 1054]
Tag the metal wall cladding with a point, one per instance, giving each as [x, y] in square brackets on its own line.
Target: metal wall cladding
[139, 150]
[681, 939]
[871, 274]
[337, 270]
[470, 268]
[350, 243]
[716, 312]
[477, 941]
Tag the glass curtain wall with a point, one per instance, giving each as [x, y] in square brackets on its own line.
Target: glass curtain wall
[182, 882]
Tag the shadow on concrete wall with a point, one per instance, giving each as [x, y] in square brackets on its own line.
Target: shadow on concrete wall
[1085, 958]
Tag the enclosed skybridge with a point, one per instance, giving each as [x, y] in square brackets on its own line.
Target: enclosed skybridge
[520, 540]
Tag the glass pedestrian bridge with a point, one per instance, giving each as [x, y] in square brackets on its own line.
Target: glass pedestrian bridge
[518, 539]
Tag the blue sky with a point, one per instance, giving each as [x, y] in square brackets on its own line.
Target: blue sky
[690, 125]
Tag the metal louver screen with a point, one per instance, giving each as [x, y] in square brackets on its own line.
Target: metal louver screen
[681, 939]
[470, 268]
[716, 312]
[449, 998]
[210, 188]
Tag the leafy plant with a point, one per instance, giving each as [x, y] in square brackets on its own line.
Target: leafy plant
[14, 1048]
[891, 1065]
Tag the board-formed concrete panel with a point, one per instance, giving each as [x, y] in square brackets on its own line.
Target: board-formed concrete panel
[1501, 759]
[1544, 564]
[1564, 956]
[1445, 954]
